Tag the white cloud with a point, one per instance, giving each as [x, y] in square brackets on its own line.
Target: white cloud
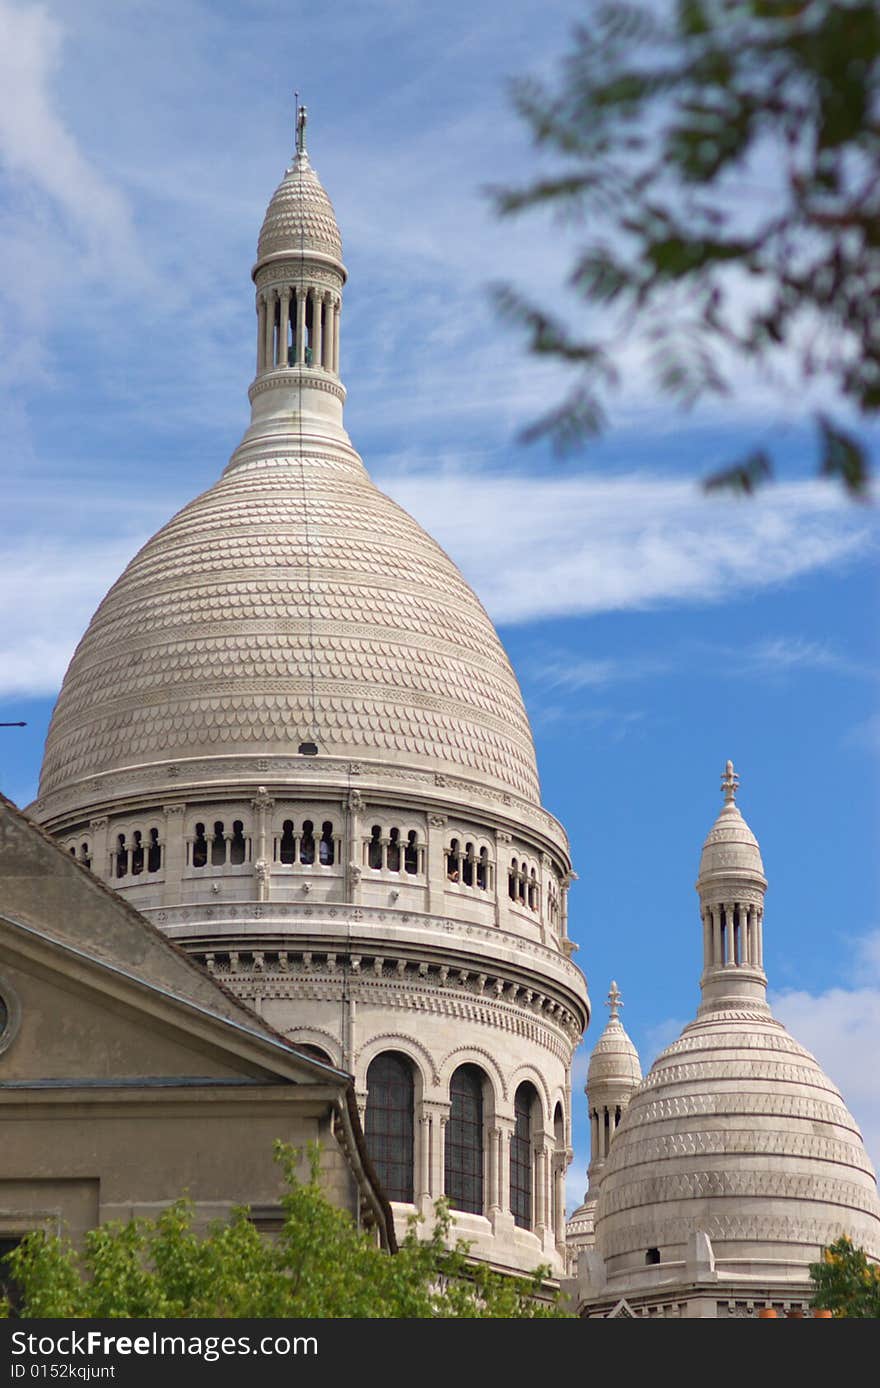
[781, 654]
[548, 547]
[533, 548]
[841, 1026]
[56, 588]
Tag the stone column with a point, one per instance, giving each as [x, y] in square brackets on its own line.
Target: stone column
[283, 331]
[544, 895]
[335, 358]
[559, 1197]
[300, 327]
[759, 935]
[436, 863]
[269, 340]
[716, 935]
[349, 1035]
[493, 1198]
[261, 333]
[504, 1170]
[317, 333]
[353, 807]
[539, 1180]
[707, 937]
[502, 864]
[439, 1116]
[175, 854]
[263, 805]
[98, 835]
[423, 1163]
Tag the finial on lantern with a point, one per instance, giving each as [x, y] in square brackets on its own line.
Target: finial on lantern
[729, 784]
[614, 1000]
[302, 116]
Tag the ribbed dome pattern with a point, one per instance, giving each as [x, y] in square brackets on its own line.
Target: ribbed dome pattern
[614, 1059]
[300, 216]
[730, 848]
[202, 647]
[736, 1131]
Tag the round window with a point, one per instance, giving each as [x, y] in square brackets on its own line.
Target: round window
[9, 1015]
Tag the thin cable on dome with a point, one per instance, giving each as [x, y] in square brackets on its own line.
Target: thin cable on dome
[308, 748]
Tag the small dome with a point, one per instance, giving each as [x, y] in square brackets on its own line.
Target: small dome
[579, 1229]
[300, 216]
[731, 848]
[736, 1131]
[614, 1060]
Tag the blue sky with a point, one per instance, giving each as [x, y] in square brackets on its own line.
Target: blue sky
[655, 633]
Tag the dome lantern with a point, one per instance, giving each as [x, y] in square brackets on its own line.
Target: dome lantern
[613, 1076]
[299, 276]
[731, 885]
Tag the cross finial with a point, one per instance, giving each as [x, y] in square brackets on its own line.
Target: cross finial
[302, 116]
[729, 784]
[614, 1001]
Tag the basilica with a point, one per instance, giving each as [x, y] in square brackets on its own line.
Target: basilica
[290, 844]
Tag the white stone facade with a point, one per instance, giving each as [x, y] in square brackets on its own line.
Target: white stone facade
[292, 738]
[736, 1161]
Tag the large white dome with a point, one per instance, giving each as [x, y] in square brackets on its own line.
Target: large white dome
[292, 601]
[736, 1132]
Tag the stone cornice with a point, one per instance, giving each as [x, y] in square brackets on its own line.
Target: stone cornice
[201, 779]
[379, 932]
[423, 987]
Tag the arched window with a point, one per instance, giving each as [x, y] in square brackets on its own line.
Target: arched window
[237, 846]
[375, 850]
[389, 1123]
[483, 870]
[558, 1187]
[154, 852]
[524, 1106]
[307, 844]
[200, 847]
[85, 856]
[411, 853]
[326, 850]
[393, 857]
[287, 847]
[467, 866]
[121, 856]
[72, 850]
[652, 1256]
[533, 891]
[314, 1051]
[464, 1141]
[453, 862]
[512, 880]
[218, 845]
[137, 854]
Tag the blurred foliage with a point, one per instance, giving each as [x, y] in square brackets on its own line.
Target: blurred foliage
[720, 160]
[319, 1265]
[846, 1283]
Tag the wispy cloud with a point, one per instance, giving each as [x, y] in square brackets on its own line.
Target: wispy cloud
[790, 654]
[533, 549]
[546, 547]
[559, 672]
[841, 1026]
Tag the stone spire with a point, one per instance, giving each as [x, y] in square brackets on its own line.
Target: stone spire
[731, 884]
[613, 1076]
[299, 277]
